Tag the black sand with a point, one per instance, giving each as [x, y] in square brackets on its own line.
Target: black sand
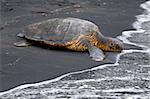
[34, 64]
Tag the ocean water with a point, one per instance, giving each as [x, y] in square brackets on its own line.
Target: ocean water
[128, 78]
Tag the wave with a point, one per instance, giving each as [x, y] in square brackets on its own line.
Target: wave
[138, 25]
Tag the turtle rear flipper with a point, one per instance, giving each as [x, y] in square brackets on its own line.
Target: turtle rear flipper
[21, 35]
[22, 44]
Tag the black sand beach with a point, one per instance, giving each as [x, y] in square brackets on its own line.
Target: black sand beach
[34, 64]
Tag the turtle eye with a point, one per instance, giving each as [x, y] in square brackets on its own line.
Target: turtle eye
[117, 47]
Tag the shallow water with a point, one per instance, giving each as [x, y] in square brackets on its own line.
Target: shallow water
[129, 77]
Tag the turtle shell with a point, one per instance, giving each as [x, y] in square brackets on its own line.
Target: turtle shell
[59, 31]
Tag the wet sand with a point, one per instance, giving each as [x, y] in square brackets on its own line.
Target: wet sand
[34, 64]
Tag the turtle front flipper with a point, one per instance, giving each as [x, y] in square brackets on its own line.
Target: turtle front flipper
[96, 53]
[22, 44]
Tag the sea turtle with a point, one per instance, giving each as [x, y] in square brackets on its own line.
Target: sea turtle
[70, 33]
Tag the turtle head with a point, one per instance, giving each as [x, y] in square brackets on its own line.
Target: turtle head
[108, 43]
[114, 45]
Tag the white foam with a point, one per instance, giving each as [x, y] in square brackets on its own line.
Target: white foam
[102, 79]
[124, 90]
[93, 97]
[127, 34]
[140, 19]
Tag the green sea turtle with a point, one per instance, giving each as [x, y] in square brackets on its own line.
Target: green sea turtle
[70, 33]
